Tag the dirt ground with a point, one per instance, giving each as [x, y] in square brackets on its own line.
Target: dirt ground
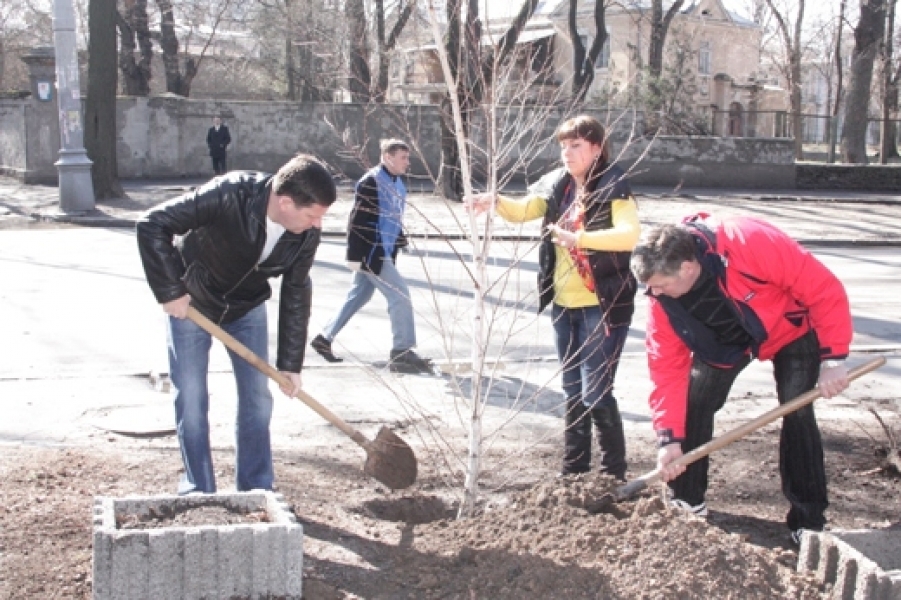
[536, 535]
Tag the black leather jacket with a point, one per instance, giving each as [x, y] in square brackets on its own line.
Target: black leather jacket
[224, 229]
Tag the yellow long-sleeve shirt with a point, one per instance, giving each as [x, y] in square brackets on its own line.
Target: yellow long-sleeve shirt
[569, 289]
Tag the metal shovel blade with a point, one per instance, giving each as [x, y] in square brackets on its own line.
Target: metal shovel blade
[390, 460]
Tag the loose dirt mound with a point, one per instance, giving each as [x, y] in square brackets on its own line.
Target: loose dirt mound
[547, 544]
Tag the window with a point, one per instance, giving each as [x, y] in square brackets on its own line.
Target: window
[705, 86]
[603, 59]
[704, 59]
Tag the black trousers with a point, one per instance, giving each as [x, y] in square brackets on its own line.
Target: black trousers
[219, 166]
[796, 368]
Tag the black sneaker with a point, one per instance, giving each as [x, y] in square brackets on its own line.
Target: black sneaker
[797, 536]
[407, 361]
[324, 348]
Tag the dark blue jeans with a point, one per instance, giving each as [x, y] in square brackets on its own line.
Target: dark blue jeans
[589, 355]
[796, 368]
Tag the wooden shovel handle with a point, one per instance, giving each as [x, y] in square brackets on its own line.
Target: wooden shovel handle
[727, 438]
[275, 375]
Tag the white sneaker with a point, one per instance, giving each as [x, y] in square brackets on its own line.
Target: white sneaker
[700, 510]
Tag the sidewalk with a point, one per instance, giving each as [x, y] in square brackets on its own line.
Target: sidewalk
[814, 217]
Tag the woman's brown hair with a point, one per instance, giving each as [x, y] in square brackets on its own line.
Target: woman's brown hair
[585, 128]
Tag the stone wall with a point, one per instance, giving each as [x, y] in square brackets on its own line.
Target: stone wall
[848, 177]
[164, 137]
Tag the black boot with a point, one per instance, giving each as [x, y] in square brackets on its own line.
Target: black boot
[611, 439]
[576, 438]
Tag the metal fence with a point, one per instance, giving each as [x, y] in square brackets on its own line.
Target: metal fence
[815, 129]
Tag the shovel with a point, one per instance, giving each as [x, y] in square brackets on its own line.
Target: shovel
[388, 458]
[633, 487]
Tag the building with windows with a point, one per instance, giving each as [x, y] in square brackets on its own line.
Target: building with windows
[711, 63]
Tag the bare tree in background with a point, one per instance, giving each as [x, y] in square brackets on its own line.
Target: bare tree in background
[178, 81]
[791, 35]
[100, 108]
[134, 35]
[386, 44]
[867, 38]
[23, 25]
[660, 23]
[890, 73]
[839, 81]
[469, 69]
[360, 80]
[584, 60]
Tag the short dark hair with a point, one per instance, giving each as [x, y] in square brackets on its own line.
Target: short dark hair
[662, 252]
[585, 127]
[306, 180]
[392, 145]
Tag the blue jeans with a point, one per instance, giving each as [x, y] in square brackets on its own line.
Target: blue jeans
[589, 354]
[189, 358]
[796, 368]
[400, 310]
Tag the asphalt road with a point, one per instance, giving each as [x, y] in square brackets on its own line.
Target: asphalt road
[80, 332]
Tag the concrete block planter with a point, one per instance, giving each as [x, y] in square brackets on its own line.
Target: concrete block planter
[862, 564]
[244, 560]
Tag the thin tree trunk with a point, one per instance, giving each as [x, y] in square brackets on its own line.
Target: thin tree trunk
[100, 107]
[360, 75]
[867, 37]
[134, 34]
[474, 454]
[176, 82]
[584, 60]
[888, 146]
[839, 78]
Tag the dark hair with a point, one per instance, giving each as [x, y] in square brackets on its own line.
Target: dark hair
[306, 180]
[586, 128]
[392, 145]
[662, 252]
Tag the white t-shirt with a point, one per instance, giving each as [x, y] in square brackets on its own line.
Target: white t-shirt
[274, 231]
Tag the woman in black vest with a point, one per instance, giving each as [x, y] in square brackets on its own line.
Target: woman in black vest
[590, 227]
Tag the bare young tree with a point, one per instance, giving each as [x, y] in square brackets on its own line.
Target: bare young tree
[867, 37]
[792, 45]
[100, 109]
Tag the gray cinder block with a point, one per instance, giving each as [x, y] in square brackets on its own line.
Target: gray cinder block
[253, 560]
[860, 564]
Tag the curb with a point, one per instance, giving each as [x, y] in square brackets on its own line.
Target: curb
[129, 223]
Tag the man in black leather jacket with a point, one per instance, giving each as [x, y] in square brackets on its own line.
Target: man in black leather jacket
[215, 248]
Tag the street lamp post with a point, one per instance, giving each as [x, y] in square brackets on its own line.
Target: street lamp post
[76, 190]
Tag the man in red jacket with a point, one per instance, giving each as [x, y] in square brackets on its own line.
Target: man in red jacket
[721, 294]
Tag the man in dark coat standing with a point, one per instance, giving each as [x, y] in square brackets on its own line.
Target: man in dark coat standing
[218, 139]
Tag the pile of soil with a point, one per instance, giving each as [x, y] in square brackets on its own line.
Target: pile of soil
[547, 543]
[534, 536]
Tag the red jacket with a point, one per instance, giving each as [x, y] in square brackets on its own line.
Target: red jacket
[782, 283]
